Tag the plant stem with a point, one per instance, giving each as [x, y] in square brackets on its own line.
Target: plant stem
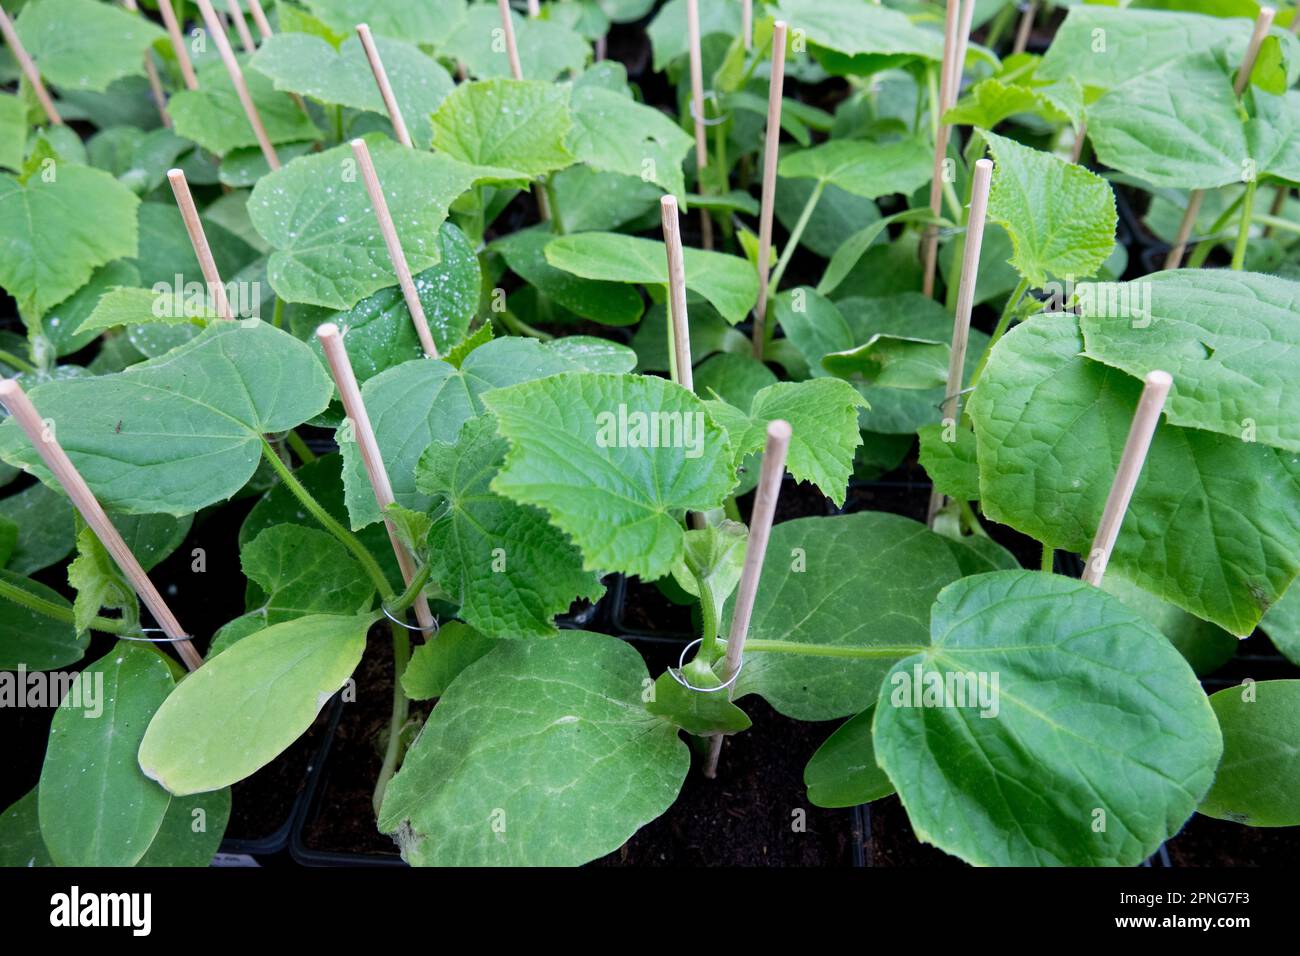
[401, 707]
[407, 597]
[553, 202]
[1243, 231]
[277, 317]
[1004, 320]
[1206, 245]
[315, 509]
[795, 235]
[15, 362]
[830, 650]
[338, 123]
[40, 605]
[305, 454]
[1276, 222]
[1048, 561]
[518, 326]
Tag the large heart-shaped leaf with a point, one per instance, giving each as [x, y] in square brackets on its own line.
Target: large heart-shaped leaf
[180, 432]
[83, 45]
[264, 692]
[213, 115]
[542, 753]
[1214, 525]
[1046, 724]
[614, 133]
[1258, 783]
[96, 807]
[615, 460]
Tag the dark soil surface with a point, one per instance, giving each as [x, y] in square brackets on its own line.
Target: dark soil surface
[890, 840]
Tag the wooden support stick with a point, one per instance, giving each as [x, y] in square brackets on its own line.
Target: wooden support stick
[198, 239]
[959, 58]
[1262, 24]
[679, 332]
[56, 459]
[331, 341]
[760, 529]
[395, 253]
[1026, 26]
[512, 51]
[931, 251]
[219, 37]
[259, 17]
[1080, 136]
[775, 90]
[747, 23]
[1145, 419]
[151, 71]
[1279, 201]
[178, 43]
[697, 112]
[29, 69]
[534, 8]
[979, 205]
[385, 88]
[241, 25]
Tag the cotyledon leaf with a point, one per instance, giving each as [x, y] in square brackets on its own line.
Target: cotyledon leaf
[183, 431]
[1258, 783]
[541, 753]
[1230, 340]
[191, 830]
[1045, 724]
[610, 303]
[31, 640]
[510, 571]
[263, 693]
[96, 807]
[858, 584]
[615, 460]
[20, 834]
[843, 772]
[1214, 524]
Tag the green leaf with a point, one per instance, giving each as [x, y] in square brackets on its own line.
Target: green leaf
[589, 353]
[843, 772]
[991, 101]
[1060, 216]
[13, 132]
[96, 807]
[8, 539]
[417, 403]
[614, 460]
[860, 583]
[615, 134]
[602, 201]
[46, 532]
[1091, 705]
[668, 30]
[546, 49]
[848, 255]
[82, 45]
[177, 433]
[509, 570]
[166, 250]
[1282, 623]
[480, 336]
[423, 23]
[710, 333]
[1229, 339]
[541, 753]
[310, 66]
[32, 640]
[411, 527]
[712, 559]
[1213, 525]
[610, 303]
[328, 248]
[264, 692]
[303, 571]
[1258, 783]
[518, 125]
[1206, 646]
[214, 117]
[129, 306]
[436, 663]
[191, 831]
[736, 378]
[54, 235]
[952, 464]
[700, 712]
[865, 37]
[99, 583]
[895, 361]
[380, 331]
[861, 168]
[823, 417]
[20, 834]
[729, 283]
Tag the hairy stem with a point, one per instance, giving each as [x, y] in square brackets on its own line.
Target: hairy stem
[40, 605]
[1000, 329]
[408, 597]
[8, 358]
[1243, 231]
[401, 707]
[795, 235]
[889, 651]
[1048, 561]
[305, 454]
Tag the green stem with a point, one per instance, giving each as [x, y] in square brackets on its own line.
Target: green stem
[38, 604]
[305, 454]
[1243, 231]
[15, 362]
[344, 536]
[338, 124]
[1048, 561]
[519, 327]
[408, 597]
[1276, 222]
[277, 317]
[1004, 320]
[1206, 245]
[795, 235]
[889, 651]
[932, 88]
[401, 707]
[553, 202]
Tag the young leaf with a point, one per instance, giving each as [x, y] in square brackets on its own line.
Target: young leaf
[711, 561]
[82, 45]
[860, 583]
[1064, 691]
[1258, 783]
[729, 283]
[303, 571]
[1061, 217]
[436, 663]
[542, 753]
[1212, 525]
[614, 133]
[862, 168]
[614, 460]
[328, 248]
[55, 232]
[518, 125]
[191, 831]
[213, 115]
[1229, 339]
[843, 772]
[264, 692]
[178, 433]
[99, 583]
[309, 66]
[96, 807]
[992, 100]
[699, 712]
[509, 570]
[31, 640]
